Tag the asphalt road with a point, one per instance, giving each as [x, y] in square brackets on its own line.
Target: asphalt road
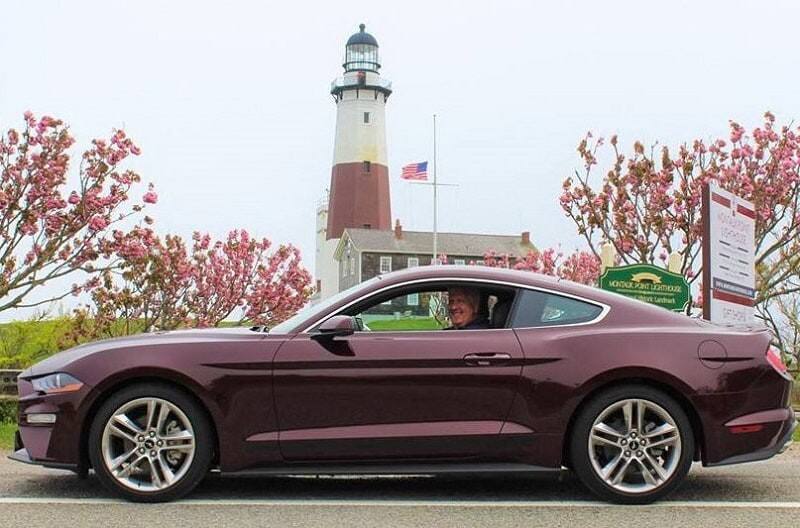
[760, 494]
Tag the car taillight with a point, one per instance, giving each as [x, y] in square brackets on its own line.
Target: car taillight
[739, 429]
[774, 359]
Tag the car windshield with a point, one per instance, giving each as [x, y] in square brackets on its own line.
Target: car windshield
[311, 310]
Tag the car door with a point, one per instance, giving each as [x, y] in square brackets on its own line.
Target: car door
[395, 394]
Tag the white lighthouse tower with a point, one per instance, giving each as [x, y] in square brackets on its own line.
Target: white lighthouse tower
[359, 190]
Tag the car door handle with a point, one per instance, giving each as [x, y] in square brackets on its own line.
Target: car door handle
[485, 359]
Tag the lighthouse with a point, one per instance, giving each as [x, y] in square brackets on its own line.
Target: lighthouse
[359, 188]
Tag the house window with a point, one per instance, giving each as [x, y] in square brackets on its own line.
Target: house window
[413, 299]
[366, 117]
[344, 267]
[386, 264]
[367, 166]
[413, 262]
[459, 262]
[352, 266]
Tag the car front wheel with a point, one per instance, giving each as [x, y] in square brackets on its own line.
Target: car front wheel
[632, 445]
[150, 443]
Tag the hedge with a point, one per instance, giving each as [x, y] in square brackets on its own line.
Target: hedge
[8, 410]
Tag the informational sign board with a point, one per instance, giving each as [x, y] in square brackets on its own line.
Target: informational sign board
[729, 277]
[648, 283]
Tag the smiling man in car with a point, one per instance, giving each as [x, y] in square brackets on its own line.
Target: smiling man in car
[463, 304]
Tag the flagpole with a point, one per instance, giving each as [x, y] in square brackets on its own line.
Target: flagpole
[435, 238]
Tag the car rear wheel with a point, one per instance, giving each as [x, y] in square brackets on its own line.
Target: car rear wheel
[150, 443]
[632, 445]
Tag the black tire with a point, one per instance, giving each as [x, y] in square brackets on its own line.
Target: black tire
[203, 442]
[580, 451]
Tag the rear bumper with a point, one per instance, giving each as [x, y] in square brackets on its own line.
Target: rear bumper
[778, 444]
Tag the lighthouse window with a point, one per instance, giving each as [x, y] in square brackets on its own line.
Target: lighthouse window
[367, 166]
[366, 117]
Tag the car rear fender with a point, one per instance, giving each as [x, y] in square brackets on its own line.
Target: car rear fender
[663, 381]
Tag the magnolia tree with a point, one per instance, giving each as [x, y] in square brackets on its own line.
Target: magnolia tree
[163, 285]
[647, 204]
[580, 266]
[48, 232]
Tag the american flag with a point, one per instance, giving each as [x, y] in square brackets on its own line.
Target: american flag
[415, 171]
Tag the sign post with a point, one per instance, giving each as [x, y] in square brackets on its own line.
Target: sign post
[729, 278]
[650, 284]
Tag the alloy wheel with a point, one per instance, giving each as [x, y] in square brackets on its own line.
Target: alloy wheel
[148, 444]
[635, 446]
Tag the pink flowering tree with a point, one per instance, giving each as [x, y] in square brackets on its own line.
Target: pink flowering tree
[48, 231]
[163, 285]
[647, 203]
[240, 273]
[148, 290]
[580, 266]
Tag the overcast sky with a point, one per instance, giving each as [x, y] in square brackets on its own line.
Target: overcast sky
[230, 101]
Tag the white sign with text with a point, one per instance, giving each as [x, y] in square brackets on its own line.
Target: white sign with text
[732, 223]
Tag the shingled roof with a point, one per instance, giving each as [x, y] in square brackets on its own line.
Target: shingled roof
[421, 242]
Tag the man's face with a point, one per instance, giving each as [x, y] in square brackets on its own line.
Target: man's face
[462, 311]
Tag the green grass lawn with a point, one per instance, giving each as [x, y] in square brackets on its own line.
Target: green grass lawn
[23, 343]
[7, 435]
[428, 323]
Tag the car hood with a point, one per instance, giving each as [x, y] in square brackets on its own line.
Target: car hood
[204, 335]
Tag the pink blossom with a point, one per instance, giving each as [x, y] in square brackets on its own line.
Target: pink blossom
[98, 223]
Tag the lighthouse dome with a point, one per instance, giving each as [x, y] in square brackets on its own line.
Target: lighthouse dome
[362, 37]
[361, 52]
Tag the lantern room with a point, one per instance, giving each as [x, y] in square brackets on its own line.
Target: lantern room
[361, 52]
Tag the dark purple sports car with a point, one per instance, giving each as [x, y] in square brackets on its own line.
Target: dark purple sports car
[429, 370]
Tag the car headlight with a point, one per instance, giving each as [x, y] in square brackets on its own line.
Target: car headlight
[56, 383]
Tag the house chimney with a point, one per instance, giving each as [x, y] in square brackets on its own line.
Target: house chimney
[526, 238]
[398, 229]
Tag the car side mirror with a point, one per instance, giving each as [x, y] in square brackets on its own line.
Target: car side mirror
[336, 326]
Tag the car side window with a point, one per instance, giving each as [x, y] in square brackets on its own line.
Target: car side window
[536, 308]
[428, 307]
[411, 311]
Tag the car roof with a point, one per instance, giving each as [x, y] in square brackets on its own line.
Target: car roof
[624, 310]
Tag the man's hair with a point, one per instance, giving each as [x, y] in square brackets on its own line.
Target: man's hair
[472, 295]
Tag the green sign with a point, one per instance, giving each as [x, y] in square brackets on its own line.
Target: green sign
[648, 283]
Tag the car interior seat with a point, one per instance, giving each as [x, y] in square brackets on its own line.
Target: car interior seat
[500, 313]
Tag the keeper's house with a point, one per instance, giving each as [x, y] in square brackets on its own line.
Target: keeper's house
[365, 253]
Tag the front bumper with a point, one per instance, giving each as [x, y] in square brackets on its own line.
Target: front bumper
[20, 454]
[55, 445]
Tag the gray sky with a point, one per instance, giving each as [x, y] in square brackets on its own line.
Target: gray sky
[230, 101]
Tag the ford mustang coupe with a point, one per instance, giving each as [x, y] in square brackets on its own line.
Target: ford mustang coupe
[428, 370]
